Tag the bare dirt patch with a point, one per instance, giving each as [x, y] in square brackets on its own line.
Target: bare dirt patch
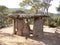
[50, 37]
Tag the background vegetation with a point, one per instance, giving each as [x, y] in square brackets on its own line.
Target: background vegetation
[4, 20]
[37, 7]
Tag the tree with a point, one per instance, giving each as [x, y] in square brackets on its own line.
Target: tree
[38, 6]
[18, 11]
[57, 20]
[3, 14]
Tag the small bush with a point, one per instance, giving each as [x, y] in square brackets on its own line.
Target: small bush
[57, 20]
[52, 24]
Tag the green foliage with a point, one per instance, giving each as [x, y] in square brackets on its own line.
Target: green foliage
[24, 2]
[3, 16]
[18, 11]
[36, 5]
[2, 8]
[57, 20]
[8, 21]
[52, 24]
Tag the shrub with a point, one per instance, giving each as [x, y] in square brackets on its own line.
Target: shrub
[57, 20]
[52, 24]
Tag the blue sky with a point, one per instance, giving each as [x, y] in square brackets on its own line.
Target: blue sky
[15, 4]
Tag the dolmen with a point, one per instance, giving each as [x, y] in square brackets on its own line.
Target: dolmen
[21, 25]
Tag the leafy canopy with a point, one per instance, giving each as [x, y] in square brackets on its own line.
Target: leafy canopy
[2, 8]
[18, 11]
[38, 6]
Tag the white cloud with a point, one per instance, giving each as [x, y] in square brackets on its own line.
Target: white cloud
[10, 3]
[28, 7]
[52, 8]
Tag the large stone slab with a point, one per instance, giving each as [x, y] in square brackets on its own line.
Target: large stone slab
[38, 27]
[22, 28]
[26, 30]
[15, 26]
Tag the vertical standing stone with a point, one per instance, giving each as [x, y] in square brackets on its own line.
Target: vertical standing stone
[38, 27]
[20, 26]
[26, 30]
[14, 26]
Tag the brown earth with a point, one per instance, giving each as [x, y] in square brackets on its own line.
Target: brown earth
[51, 37]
